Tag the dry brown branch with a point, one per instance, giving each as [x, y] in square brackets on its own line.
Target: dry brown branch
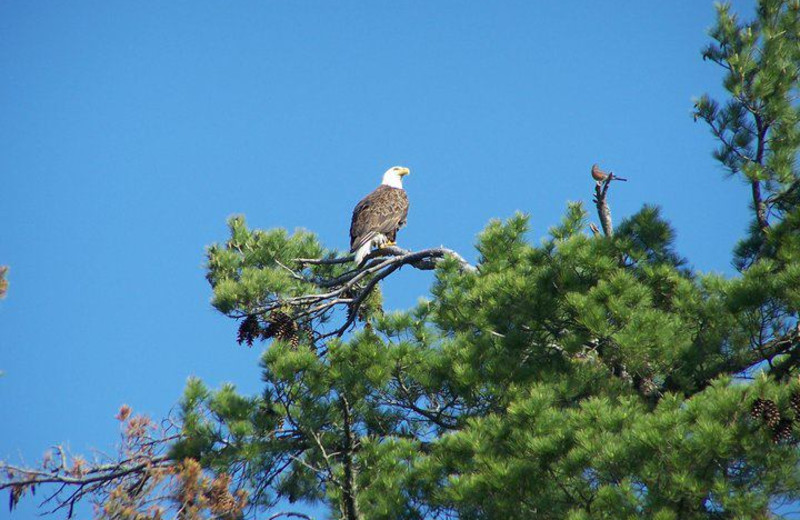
[127, 480]
[142, 480]
[92, 474]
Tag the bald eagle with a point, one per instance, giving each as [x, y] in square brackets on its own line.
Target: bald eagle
[379, 215]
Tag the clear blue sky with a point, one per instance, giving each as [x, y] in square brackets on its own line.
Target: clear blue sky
[129, 132]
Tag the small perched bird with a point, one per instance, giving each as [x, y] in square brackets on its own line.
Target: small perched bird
[599, 175]
[379, 215]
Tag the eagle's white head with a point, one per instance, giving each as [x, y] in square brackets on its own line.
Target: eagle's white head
[394, 176]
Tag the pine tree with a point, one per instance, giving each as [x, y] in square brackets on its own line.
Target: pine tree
[580, 377]
[585, 377]
[758, 125]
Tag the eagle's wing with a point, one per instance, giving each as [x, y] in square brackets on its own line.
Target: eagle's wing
[382, 211]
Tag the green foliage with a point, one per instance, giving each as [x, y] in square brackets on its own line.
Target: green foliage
[248, 269]
[586, 377]
[758, 126]
[582, 377]
[649, 238]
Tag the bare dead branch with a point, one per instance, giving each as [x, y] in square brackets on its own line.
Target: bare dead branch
[601, 202]
[425, 260]
[142, 463]
[99, 473]
[312, 313]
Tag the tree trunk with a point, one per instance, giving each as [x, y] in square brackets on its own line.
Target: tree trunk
[349, 486]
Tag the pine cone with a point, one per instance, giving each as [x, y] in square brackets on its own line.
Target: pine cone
[284, 325]
[268, 331]
[794, 401]
[249, 330]
[278, 322]
[771, 414]
[782, 432]
[757, 410]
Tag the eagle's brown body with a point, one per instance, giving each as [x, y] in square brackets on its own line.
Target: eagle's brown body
[382, 212]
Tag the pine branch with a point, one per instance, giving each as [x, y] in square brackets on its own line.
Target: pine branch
[424, 260]
[348, 291]
[788, 344]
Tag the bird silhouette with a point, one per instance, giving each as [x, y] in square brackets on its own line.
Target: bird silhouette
[600, 176]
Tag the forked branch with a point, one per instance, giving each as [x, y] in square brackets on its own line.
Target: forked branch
[291, 318]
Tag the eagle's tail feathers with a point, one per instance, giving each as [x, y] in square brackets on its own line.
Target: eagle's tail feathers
[362, 252]
[375, 240]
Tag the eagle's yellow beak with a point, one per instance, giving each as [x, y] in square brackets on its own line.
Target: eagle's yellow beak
[403, 172]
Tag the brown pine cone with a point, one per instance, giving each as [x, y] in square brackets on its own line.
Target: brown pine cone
[285, 327]
[249, 330]
[794, 401]
[772, 416]
[757, 409]
[782, 432]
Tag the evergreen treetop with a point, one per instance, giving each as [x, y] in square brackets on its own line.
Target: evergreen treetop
[587, 376]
